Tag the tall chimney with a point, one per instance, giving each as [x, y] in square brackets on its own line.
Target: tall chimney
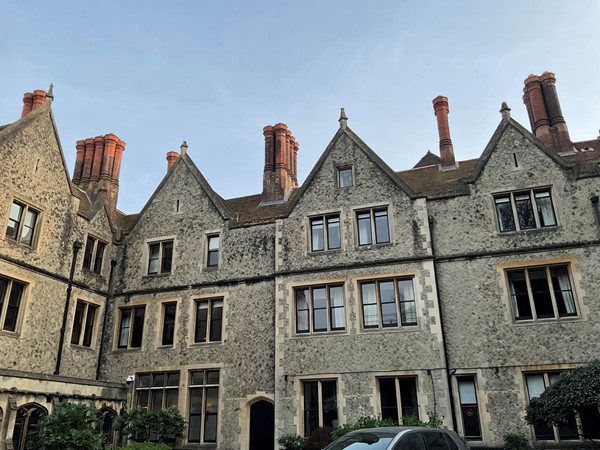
[547, 122]
[279, 175]
[97, 169]
[39, 98]
[171, 158]
[440, 107]
[27, 103]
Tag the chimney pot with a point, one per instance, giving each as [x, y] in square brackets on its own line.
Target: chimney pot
[171, 158]
[27, 103]
[441, 110]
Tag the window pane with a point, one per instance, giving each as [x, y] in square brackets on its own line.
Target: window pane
[213, 243]
[154, 259]
[212, 377]
[213, 258]
[364, 228]
[408, 397]
[302, 311]
[336, 300]
[99, 257]
[387, 394]
[345, 177]
[319, 309]
[167, 256]
[369, 300]
[330, 411]
[562, 291]
[89, 325]
[14, 221]
[524, 211]
[142, 399]
[195, 401]
[545, 209]
[144, 380]
[389, 315]
[506, 221]
[210, 428]
[12, 309]
[201, 322]
[519, 295]
[317, 234]
[124, 329]
[168, 333]
[311, 407]
[157, 399]
[3, 290]
[28, 227]
[408, 309]
[172, 398]
[541, 293]
[216, 320]
[137, 330]
[173, 379]
[382, 231]
[466, 389]
[88, 252]
[77, 322]
[333, 232]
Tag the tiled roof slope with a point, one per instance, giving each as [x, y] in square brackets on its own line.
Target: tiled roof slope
[431, 182]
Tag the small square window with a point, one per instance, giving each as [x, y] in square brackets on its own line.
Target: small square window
[345, 178]
[373, 222]
[212, 256]
[160, 257]
[93, 254]
[22, 223]
[83, 324]
[325, 233]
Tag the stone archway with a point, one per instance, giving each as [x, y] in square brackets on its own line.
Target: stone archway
[262, 425]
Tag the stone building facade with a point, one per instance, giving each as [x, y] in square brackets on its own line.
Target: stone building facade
[460, 288]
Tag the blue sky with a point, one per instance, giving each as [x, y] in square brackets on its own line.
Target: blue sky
[216, 72]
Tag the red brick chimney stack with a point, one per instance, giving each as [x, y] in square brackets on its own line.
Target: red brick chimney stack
[171, 158]
[33, 100]
[77, 171]
[97, 167]
[27, 103]
[281, 150]
[441, 109]
[547, 122]
[39, 98]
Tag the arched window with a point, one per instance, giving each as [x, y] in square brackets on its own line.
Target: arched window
[107, 417]
[26, 423]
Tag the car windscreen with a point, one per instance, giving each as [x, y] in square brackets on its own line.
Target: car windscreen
[363, 441]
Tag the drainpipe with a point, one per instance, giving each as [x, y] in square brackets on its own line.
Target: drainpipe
[76, 247]
[109, 295]
[439, 299]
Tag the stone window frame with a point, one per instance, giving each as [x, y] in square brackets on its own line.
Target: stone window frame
[338, 175]
[208, 235]
[26, 205]
[523, 394]
[456, 378]
[388, 278]
[146, 255]
[192, 308]
[372, 209]
[510, 196]
[161, 304]
[324, 216]
[418, 376]
[93, 265]
[300, 380]
[23, 303]
[95, 327]
[329, 309]
[574, 279]
[117, 328]
[164, 388]
[220, 410]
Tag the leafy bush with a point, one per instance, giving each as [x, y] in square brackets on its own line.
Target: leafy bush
[574, 391]
[362, 422]
[515, 441]
[164, 425]
[72, 426]
[292, 442]
[146, 446]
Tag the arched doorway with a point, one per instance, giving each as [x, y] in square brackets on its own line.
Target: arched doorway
[262, 426]
[26, 423]
[107, 417]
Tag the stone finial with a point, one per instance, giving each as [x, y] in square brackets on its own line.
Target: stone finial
[505, 111]
[183, 148]
[343, 119]
[50, 94]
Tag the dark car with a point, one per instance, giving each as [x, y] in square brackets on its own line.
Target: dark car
[399, 438]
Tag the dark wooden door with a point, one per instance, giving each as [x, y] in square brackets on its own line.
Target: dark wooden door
[262, 426]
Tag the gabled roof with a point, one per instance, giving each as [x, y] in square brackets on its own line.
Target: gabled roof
[216, 200]
[380, 163]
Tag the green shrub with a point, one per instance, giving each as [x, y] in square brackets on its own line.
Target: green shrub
[146, 446]
[72, 426]
[433, 421]
[292, 442]
[362, 422]
[515, 441]
[163, 425]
